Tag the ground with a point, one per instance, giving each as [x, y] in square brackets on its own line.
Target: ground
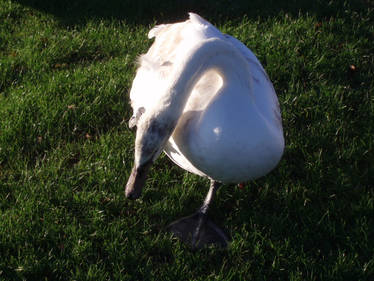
[66, 150]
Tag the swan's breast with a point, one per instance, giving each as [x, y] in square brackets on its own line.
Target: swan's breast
[229, 141]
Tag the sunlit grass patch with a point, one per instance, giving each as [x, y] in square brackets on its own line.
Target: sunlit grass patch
[66, 150]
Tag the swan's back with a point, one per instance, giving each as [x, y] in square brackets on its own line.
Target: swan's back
[172, 41]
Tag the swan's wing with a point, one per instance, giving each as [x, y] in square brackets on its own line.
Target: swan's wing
[247, 53]
[173, 40]
[261, 81]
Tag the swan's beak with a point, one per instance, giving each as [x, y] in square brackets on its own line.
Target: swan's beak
[136, 180]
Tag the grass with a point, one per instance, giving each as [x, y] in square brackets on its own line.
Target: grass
[66, 150]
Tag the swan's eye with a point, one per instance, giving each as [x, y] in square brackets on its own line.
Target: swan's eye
[132, 122]
[134, 119]
[166, 63]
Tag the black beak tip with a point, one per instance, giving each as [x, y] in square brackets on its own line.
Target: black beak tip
[131, 194]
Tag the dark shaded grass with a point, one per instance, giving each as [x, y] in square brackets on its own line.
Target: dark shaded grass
[65, 150]
[147, 11]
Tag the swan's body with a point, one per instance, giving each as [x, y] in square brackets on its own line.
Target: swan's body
[204, 98]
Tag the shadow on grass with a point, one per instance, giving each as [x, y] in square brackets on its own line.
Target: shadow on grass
[147, 11]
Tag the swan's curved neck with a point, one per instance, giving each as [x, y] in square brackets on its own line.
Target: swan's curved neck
[158, 124]
[210, 54]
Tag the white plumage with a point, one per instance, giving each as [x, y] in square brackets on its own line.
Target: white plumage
[205, 100]
[230, 127]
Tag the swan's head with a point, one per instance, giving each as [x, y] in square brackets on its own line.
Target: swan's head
[151, 136]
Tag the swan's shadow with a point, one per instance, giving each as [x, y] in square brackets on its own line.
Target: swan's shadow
[147, 12]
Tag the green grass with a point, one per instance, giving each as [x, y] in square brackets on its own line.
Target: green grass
[66, 150]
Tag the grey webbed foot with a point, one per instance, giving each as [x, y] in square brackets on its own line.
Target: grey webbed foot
[198, 231]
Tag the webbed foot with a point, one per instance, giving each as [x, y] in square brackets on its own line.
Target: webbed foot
[198, 231]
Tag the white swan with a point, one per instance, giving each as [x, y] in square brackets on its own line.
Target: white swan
[204, 98]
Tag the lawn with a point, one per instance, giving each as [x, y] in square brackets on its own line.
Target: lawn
[66, 151]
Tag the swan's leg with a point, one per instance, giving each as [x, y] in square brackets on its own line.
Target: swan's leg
[198, 230]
